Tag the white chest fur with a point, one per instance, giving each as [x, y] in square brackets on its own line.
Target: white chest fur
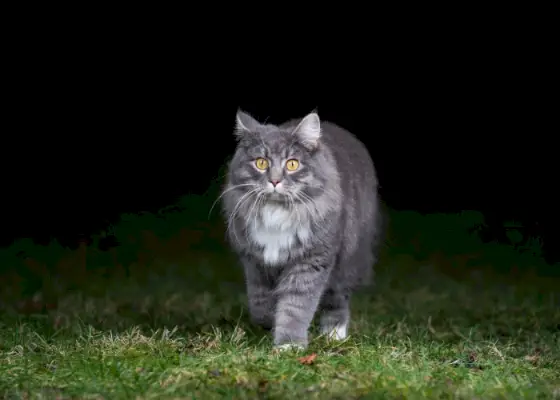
[276, 230]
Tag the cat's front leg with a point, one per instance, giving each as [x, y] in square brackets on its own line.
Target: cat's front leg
[260, 294]
[298, 293]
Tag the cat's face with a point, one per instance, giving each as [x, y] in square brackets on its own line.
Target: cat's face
[277, 165]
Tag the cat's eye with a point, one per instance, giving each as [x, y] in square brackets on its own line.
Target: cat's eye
[261, 163]
[292, 165]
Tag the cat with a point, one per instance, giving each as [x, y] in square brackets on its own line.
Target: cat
[302, 207]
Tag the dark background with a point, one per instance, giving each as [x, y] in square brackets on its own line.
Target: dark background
[90, 137]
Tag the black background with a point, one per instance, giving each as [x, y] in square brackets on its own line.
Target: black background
[90, 134]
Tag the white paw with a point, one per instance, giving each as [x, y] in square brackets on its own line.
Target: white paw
[289, 347]
[337, 332]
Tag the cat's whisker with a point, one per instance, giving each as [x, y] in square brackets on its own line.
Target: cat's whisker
[260, 200]
[250, 214]
[307, 201]
[290, 205]
[294, 208]
[237, 208]
[226, 191]
[239, 204]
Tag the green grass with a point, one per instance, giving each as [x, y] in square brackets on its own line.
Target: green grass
[166, 318]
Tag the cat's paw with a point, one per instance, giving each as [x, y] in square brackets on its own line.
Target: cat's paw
[289, 347]
[335, 332]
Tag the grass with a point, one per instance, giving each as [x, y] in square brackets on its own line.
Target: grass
[164, 316]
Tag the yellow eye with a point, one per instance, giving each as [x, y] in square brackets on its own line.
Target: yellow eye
[292, 165]
[261, 163]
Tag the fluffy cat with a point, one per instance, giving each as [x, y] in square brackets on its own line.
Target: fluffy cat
[303, 216]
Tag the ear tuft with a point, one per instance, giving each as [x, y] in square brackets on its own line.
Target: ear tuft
[244, 124]
[308, 130]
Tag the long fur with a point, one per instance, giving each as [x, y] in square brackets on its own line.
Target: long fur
[308, 242]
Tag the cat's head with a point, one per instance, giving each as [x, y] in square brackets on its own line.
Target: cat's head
[283, 164]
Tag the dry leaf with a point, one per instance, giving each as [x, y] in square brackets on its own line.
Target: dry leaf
[532, 358]
[308, 360]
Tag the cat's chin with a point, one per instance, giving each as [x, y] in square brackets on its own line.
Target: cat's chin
[275, 197]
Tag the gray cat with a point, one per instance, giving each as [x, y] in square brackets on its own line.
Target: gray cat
[303, 215]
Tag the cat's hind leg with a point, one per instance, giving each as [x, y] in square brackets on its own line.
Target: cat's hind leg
[335, 313]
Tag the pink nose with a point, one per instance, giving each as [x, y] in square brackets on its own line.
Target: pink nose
[274, 182]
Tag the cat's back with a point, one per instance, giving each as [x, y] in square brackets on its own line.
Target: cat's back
[351, 154]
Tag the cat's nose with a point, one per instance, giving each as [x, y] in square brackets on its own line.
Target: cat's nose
[274, 182]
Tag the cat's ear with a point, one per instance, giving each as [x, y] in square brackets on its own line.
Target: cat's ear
[308, 131]
[244, 124]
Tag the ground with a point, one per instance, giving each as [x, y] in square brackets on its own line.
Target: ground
[173, 324]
